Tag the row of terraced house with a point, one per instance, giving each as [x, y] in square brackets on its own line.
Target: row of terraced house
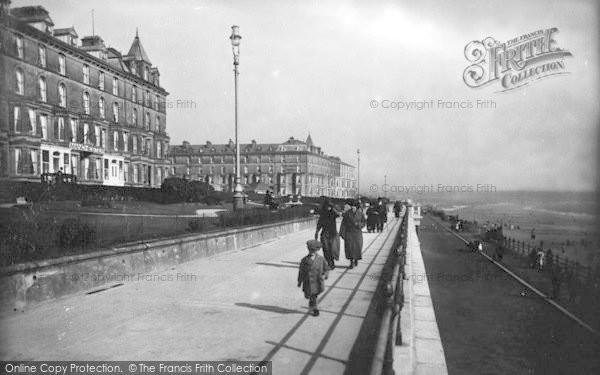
[292, 167]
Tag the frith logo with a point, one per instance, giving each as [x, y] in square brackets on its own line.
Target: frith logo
[515, 63]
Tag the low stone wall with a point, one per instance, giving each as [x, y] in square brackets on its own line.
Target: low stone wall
[26, 284]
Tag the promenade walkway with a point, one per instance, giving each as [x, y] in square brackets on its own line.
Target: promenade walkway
[238, 305]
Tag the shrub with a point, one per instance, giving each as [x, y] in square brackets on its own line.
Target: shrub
[197, 225]
[75, 233]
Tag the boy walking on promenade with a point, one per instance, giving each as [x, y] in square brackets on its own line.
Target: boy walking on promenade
[312, 275]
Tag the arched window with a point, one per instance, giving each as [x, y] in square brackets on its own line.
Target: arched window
[62, 95]
[42, 89]
[86, 103]
[62, 64]
[20, 88]
[101, 107]
[134, 117]
[157, 124]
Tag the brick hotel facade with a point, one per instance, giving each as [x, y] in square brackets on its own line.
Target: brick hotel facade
[78, 108]
[292, 167]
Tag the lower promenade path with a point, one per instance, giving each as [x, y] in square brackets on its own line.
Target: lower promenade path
[238, 305]
[491, 324]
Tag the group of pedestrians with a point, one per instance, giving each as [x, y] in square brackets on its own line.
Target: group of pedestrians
[314, 269]
[376, 216]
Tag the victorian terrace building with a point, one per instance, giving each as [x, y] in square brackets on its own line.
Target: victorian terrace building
[77, 108]
[293, 167]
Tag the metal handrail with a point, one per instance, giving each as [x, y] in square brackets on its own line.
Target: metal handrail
[394, 293]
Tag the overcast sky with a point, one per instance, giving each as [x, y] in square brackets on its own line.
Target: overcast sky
[309, 66]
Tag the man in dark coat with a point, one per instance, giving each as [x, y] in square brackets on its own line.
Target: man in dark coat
[372, 218]
[382, 215]
[353, 221]
[312, 275]
[329, 235]
[397, 208]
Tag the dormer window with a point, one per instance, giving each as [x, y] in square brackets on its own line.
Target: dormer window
[146, 73]
[133, 70]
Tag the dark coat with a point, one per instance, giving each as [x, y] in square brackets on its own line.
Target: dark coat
[311, 275]
[327, 221]
[382, 211]
[351, 232]
[329, 236]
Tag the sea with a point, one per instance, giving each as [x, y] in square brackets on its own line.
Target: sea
[566, 222]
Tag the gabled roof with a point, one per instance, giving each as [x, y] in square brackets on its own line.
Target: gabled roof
[137, 50]
[66, 31]
[114, 59]
[292, 141]
[32, 14]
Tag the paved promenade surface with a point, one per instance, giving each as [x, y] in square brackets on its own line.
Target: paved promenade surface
[238, 305]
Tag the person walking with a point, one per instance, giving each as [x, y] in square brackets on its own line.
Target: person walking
[329, 235]
[382, 215]
[312, 274]
[372, 218]
[397, 209]
[353, 220]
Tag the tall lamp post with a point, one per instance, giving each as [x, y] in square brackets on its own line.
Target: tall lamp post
[238, 195]
[358, 175]
[385, 184]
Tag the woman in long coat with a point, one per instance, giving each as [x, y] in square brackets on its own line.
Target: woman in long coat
[353, 221]
[329, 235]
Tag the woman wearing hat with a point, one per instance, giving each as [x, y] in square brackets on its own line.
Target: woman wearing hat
[351, 231]
[329, 236]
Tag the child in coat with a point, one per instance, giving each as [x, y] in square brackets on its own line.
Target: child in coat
[312, 275]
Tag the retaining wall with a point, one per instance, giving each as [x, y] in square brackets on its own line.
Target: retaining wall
[26, 284]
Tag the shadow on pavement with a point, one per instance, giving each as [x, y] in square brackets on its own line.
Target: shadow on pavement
[269, 308]
[276, 265]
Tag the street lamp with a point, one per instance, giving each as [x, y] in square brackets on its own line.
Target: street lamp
[238, 195]
[385, 184]
[358, 175]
